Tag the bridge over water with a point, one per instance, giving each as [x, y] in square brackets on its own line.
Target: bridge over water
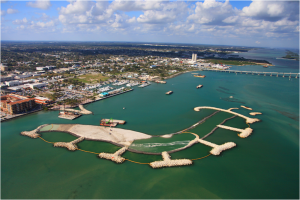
[276, 74]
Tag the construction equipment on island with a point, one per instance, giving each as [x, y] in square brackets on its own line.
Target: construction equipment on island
[199, 86]
[111, 122]
[199, 76]
[170, 92]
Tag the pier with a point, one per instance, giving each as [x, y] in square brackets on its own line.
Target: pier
[275, 74]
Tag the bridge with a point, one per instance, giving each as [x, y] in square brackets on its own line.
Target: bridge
[276, 74]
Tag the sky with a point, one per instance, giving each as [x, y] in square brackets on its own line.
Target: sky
[258, 23]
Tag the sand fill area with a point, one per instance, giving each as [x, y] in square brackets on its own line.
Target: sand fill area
[100, 133]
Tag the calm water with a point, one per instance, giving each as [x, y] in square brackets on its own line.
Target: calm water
[264, 165]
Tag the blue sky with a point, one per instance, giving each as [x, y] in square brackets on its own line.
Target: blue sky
[243, 23]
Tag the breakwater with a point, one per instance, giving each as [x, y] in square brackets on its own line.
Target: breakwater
[124, 138]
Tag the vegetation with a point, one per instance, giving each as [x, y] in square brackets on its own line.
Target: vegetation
[236, 61]
[291, 55]
[91, 78]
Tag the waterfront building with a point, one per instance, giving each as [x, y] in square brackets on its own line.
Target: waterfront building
[14, 104]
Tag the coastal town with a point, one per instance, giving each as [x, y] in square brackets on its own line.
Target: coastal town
[38, 77]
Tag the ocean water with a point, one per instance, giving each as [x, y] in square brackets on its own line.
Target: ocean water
[264, 165]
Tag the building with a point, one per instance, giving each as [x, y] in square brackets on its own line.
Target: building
[37, 85]
[152, 66]
[40, 68]
[12, 83]
[15, 104]
[7, 78]
[194, 57]
[3, 68]
[42, 100]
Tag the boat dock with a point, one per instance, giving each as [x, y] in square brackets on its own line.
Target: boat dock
[276, 74]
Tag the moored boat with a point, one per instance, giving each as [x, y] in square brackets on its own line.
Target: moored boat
[199, 86]
[199, 75]
[170, 92]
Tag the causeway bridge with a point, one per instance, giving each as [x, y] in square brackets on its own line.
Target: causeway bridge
[276, 74]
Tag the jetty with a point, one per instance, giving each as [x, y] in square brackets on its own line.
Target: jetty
[243, 132]
[248, 119]
[116, 157]
[275, 74]
[71, 146]
[167, 162]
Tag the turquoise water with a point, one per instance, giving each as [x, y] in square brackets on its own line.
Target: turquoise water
[264, 165]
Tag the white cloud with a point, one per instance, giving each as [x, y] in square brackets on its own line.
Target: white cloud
[272, 11]
[20, 21]
[3, 12]
[11, 11]
[213, 12]
[257, 42]
[42, 4]
[169, 12]
[231, 19]
[135, 5]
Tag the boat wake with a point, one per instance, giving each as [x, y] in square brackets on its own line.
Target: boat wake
[151, 145]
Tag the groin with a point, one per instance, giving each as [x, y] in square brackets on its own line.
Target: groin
[71, 146]
[33, 133]
[167, 162]
[217, 149]
[116, 157]
[243, 132]
[248, 119]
